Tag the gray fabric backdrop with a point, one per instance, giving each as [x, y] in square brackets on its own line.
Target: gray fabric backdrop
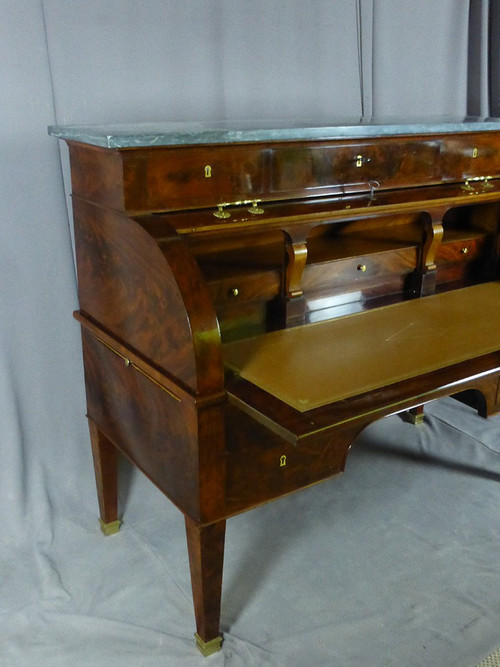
[394, 563]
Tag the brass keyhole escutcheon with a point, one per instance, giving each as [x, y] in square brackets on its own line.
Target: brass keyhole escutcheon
[474, 152]
[361, 267]
[360, 160]
[282, 461]
[208, 171]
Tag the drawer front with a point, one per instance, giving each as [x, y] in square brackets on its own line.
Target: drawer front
[356, 271]
[245, 288]
[334, 168]
[170, 178]
[470, 156]
[462, 261]
[460, 251]
[256, 473]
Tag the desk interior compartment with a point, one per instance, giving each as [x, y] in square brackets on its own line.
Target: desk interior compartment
[468, 252]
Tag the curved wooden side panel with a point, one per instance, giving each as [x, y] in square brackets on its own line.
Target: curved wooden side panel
[154, 301]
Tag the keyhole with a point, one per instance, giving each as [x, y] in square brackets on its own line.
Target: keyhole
[282, 461]
[208, 171]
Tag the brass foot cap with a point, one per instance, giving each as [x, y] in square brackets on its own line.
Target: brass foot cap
[110, 528]
[417, 420]
[207, 648]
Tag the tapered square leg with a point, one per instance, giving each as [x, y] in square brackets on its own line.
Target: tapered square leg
[105, 457]
[206, 558]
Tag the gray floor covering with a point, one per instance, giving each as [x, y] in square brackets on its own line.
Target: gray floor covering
[396, 562]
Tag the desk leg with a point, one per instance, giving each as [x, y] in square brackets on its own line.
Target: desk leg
[105, 457]
[206, 557]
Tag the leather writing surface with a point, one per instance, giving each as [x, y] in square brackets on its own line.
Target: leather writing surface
[311, 366]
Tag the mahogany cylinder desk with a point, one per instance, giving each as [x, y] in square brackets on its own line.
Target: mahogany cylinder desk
[253, 295]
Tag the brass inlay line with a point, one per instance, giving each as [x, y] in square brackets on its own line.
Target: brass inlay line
[131, 364]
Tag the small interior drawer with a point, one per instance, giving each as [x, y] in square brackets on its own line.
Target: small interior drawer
[462, 250]
[357, 270]
[244, 286]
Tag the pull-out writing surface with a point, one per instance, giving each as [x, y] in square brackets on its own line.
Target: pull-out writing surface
[314, 365]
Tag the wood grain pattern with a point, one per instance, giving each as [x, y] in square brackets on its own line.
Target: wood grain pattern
[161, 308]
[174, 178]
[105, 456]
[206, 556]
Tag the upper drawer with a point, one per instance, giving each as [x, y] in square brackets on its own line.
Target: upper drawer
[469, 156]
[344, 166]
[192, 177]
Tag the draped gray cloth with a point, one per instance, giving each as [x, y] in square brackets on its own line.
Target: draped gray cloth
[395, 563]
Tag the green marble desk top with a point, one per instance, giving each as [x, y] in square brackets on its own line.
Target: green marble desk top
[222, 132]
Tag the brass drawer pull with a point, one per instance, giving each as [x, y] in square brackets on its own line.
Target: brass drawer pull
[464, 251]
[221, 213]
[472, 184]
[254, 209]
[234, 292]
[361, 267]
